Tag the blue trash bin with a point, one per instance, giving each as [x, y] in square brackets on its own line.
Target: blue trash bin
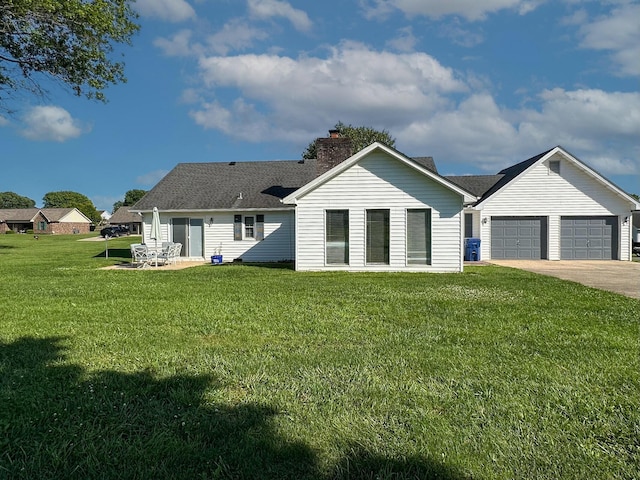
[471, 249]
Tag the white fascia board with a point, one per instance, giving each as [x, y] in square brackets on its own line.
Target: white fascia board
[341, 167]
[43, 214]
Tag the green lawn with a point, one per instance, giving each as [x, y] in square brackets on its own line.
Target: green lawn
[257, 372]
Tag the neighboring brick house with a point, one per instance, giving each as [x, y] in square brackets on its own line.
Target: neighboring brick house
[59, 221]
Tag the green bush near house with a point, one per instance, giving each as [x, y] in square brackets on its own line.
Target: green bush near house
[241, 371]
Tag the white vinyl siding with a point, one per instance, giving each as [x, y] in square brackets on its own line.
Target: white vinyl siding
[542, 193]
[380, 182]
[277, 228]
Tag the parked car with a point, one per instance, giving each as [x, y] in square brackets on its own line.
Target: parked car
[114, 231]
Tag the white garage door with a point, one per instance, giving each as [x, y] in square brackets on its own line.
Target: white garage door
[588, 238]
[518, 238]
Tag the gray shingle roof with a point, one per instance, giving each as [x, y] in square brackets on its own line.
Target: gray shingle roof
[261, 185]
[123, 215]
[229, 185]
[426, 162]
[27, 214]
[18, 214]
[476, 184]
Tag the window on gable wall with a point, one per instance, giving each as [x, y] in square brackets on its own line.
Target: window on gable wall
[554, 166]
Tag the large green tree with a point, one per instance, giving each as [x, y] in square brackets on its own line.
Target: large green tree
[360, 137]
[67, 199]
[13, 200]
[70, 41]
[130, 198]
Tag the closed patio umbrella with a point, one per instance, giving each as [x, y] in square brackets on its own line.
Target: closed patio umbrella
[156, 233]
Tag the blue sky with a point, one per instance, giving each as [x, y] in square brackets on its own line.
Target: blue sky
[478, 85]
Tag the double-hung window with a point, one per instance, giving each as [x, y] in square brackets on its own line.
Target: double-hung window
[419, 237]
[249, 227]
[337, 237]
[377, 244]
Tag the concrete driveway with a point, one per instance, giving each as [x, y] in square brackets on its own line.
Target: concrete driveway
[618, 277]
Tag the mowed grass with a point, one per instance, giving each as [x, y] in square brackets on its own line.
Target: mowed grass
[262, 372]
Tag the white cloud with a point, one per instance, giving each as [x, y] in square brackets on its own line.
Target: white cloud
[265, 9]
[405, 41]
[236, 35]
[169, 10]
[179, 45]
[619, 33]
[3, 121]
[429, 108]
[600, 127]
[579, 17]
[470, 9]
[460, 35]
[352, 84]
[50, 123]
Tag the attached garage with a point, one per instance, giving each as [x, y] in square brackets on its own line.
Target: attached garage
[589, 238]
[523, 238]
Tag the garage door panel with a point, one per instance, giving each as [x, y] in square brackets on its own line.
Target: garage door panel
[518, 237]
[588, 238]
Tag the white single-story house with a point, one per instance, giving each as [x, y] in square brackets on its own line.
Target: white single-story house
[379, 210]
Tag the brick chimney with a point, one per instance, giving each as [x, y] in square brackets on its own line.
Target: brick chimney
[331, 151]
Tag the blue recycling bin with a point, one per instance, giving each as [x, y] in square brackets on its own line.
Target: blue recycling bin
[471, 249]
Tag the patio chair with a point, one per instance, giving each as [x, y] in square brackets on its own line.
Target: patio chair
[170, 253]
[139, 255]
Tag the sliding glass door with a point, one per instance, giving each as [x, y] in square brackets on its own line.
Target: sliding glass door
[189, 232]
